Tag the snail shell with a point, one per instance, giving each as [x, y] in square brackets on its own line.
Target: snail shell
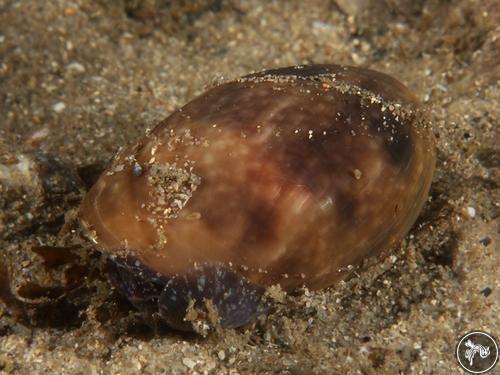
[281, 177]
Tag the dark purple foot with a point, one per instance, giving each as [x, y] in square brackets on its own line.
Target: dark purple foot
[235, 300]
[214, 293]
[137, 284]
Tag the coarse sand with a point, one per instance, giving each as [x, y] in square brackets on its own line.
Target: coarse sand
[80, 78]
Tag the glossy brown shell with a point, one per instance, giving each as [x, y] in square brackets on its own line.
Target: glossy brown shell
[286, 176]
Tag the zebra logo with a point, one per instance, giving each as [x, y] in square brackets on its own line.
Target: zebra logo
[477, 352]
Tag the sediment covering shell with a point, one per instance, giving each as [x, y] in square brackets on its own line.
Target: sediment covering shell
[282, 177]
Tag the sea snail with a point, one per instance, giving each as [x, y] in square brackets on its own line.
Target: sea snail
[283, 177]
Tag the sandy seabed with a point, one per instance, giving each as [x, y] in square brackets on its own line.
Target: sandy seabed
[79, 79]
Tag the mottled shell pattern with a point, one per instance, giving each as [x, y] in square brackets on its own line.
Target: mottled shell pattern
[285, 177]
